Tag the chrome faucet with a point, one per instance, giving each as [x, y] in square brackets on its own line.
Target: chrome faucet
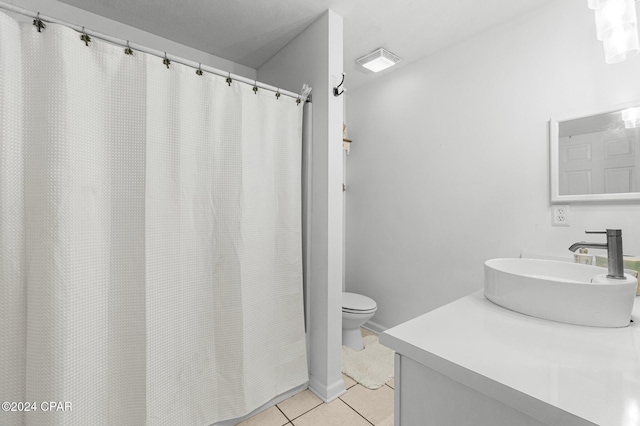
[614, 251]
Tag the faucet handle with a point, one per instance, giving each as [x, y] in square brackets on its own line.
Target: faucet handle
[609, 232]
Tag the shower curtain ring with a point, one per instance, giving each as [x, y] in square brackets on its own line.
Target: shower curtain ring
[166, 60]
[229, 80]
[128, 50]
[278, 94]
[298, 101]
[38, 23]
[255, 87]
[85, 37]
[199, 70]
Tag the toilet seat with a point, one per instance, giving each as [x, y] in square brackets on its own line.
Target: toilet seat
[347, 311]
[357, 303]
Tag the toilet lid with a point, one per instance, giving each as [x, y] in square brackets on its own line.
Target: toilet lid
[357, 302]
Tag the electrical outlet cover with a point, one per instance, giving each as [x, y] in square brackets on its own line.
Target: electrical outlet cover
[560, 215]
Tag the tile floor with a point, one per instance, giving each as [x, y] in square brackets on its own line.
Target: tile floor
[358, 407]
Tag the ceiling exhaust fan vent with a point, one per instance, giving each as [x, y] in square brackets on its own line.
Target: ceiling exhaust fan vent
[378, 60]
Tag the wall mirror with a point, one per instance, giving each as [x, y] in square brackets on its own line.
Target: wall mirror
[596, 157]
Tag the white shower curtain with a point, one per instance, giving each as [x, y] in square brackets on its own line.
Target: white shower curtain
[150, 237]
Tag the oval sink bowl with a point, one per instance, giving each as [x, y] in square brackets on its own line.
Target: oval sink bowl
[560, 291]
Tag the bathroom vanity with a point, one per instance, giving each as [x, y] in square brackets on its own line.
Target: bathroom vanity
[472, 362]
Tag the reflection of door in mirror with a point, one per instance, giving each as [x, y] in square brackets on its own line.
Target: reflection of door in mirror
[598, 162]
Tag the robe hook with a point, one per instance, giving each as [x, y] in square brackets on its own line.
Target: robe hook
[335, 89]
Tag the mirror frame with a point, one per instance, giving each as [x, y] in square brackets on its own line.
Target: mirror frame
[556, 198]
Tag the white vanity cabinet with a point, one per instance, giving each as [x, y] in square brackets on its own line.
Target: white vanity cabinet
[474, 363]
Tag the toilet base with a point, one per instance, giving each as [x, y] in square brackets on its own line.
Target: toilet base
[352, 338]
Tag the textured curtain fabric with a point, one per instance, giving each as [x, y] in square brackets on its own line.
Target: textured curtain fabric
[150, 237]
[13, 289]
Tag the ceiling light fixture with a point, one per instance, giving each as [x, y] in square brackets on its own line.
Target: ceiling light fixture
[378, 60]
[617, 27]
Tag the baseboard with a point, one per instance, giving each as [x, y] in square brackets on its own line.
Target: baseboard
[278, 399]
[376, 328]
[327, 393]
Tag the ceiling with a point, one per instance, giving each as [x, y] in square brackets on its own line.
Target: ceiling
[249, 32]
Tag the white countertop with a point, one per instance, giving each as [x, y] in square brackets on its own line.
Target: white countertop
[588, 372]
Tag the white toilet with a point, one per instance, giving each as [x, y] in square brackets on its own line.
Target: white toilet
[356, 310]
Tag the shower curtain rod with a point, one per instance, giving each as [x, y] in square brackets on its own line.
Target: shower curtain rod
[163, 55]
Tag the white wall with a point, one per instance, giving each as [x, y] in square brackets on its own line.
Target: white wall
[315, 58]
[450, 162]
[74, 15]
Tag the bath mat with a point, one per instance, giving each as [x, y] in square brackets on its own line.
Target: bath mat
[372, 367]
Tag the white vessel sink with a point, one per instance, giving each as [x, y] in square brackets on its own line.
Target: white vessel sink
[560, 291]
